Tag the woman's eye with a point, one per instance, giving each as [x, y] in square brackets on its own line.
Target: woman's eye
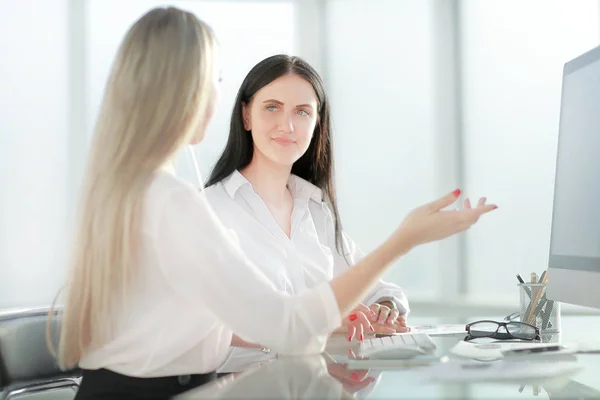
[303, 112]
[271, 108]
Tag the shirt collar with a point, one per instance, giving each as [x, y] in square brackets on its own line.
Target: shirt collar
[300, 188]
[233, 182]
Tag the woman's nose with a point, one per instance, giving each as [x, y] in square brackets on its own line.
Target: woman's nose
[286, 125]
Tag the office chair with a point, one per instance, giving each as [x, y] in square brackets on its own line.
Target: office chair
[27, 369]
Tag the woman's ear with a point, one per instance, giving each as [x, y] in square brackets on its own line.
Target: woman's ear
[246, 117]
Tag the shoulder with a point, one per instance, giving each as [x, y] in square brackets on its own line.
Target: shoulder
[215, 192]
[165, 185]
[166, 194]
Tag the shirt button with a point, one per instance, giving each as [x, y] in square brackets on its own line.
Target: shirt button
[184, 379]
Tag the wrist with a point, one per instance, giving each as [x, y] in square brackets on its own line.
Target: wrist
[401, 241]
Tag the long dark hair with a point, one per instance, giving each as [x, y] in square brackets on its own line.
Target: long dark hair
[316, 165]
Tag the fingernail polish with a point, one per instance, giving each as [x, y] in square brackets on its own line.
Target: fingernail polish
[456, 193]
[493, 208]
[354, 376]
[361, 337]
[349, 338]
[352, 317]
[372, 329]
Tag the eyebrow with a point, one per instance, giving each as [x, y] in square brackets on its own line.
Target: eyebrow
[281, 103]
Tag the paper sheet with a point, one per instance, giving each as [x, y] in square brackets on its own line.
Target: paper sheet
[493, 350]
[439, 330]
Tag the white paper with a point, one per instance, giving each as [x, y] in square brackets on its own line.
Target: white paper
[439, 330]
[493, 350]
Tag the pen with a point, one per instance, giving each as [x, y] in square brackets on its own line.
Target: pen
[546, 315]
[542, 277]
[524, 287]
[534, 277]
[535, 298]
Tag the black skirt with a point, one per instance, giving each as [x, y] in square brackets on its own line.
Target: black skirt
[105, 384]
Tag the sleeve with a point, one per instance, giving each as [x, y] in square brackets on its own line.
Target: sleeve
[353, 254]
[201, 260]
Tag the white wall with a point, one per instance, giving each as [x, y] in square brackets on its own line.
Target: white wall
[47, 73]
[243, 43]
[33, 150]
[380, 80]
[513, 53]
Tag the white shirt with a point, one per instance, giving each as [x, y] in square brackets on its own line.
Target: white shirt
[293, 264]
[194, 286]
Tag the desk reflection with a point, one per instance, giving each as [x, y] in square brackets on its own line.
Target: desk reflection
[307, 377]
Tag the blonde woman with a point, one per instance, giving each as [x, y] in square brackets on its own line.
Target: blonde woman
[157, 285]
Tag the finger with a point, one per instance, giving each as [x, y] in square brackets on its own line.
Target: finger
[374, 312]
[385, 329]
[392, 317]
[467, 203]
[384, 313]
[401, 320]
[472, 216]
[361, 332]
[403, 329]
[485, 208]
[351, 332]
[444, 201]
[481, 201]
[363, 322]
[364, 309]
[463, 219]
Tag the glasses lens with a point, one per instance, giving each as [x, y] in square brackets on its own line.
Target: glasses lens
[483, 329]
[521, 331]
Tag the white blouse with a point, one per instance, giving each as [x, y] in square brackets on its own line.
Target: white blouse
[194, 286]
[293, 264]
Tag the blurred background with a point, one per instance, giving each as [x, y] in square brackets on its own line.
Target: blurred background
[427, 95]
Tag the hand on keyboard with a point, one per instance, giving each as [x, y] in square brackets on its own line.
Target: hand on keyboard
[357, 323]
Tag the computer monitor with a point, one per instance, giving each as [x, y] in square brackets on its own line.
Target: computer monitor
[574, 262]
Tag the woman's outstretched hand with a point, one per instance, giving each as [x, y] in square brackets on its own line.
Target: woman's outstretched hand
[432, 222]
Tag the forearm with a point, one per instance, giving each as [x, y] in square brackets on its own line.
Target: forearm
[352, 286]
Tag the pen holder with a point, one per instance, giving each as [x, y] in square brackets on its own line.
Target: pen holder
[537, 310]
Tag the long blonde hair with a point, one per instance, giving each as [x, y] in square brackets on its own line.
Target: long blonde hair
[157, 96]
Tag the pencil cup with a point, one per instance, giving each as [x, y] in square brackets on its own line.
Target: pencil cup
[537, 310]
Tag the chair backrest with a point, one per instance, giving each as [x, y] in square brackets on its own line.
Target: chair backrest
[27, 367]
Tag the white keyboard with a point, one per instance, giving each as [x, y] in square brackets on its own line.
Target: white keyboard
[402, 344]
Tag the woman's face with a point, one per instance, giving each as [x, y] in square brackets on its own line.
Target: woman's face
[281, 118]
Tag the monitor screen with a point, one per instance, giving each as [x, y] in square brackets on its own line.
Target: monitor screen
[575, 237]
[576, 217]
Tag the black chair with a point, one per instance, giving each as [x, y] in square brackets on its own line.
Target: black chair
[28, 371]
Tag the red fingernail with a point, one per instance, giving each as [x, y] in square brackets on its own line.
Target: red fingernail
[352, 317]
[372, 329]
[456, 193]
[493, 208]
[355, 376]
[361, 337]
[349, 338]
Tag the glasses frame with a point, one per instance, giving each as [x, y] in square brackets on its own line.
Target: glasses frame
[501, 335]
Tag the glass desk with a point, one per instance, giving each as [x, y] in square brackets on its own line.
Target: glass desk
[319, 377]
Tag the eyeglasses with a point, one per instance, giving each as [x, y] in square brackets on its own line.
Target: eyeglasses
[512, 330]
